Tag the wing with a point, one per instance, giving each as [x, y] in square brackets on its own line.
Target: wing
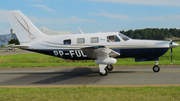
[97, 51]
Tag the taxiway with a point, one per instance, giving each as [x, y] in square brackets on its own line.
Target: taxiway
[131, 75]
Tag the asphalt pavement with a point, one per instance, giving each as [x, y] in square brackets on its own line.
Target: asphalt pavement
[12, 52]
[131, 75]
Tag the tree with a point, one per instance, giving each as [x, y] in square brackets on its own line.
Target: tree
[130, 33]
[12, 41]
[152, 33]
[123, 32]
[2, 46]
[137, 36]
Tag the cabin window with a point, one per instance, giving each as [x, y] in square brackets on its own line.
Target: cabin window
[67, 42]
[94, 40]
[80, 41]
[112, 38]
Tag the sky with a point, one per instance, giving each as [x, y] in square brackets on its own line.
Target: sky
[92, 16]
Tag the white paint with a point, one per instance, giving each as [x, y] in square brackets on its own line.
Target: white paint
[71, 52]
[61, 53]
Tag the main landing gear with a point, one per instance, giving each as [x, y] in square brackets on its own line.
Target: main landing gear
[109, 67]
[156, 68]
[104, 69]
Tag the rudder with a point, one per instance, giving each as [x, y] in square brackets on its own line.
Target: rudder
[25, 30]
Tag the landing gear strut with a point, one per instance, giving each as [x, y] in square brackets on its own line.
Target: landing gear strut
[156, 68]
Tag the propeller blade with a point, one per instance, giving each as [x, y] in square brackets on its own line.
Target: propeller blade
[171, 57]
[170, 43]
[170, 40]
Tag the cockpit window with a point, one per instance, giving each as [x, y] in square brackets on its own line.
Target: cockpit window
[125, 38]
[112, 38]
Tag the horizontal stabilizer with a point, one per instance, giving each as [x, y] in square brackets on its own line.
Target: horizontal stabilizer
[22, 46]
[19, 46]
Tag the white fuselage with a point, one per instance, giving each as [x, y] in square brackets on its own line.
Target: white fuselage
[56, 42]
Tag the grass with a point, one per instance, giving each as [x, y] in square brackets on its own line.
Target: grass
[40, 60]
[91, 94]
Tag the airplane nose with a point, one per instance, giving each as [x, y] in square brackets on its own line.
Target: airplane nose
[173, 45]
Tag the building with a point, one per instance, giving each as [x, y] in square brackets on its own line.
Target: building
[7, 37]
[173, 38]
[51, 32]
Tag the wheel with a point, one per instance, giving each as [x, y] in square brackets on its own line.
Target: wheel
[104, 74]
[109, 67]
[156, 68]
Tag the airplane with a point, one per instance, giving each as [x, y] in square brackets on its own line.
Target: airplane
[10, 47]
[4, 42]
[103, 48]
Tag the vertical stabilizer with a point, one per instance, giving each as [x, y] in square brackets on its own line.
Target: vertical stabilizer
[25, 30]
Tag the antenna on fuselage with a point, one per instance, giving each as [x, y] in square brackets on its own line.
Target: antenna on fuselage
[80, 30]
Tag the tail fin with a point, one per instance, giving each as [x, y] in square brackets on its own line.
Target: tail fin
[25, 30]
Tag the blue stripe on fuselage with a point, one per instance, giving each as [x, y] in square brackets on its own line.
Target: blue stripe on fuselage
[149, 53]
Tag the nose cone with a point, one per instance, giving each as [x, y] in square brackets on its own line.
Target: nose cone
[173, 45]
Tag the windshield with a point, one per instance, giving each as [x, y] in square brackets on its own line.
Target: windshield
[125, 38]
[112, 38]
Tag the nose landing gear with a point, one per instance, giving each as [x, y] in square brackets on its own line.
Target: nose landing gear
[156, 68]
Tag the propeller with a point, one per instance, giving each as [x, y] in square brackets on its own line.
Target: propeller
[171, 57]
[172, 45]
[170, 42]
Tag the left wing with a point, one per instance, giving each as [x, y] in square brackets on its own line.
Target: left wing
[95, 51]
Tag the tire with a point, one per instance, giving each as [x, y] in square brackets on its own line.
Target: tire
[156, 68]
[104, 74]
[109, 67]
